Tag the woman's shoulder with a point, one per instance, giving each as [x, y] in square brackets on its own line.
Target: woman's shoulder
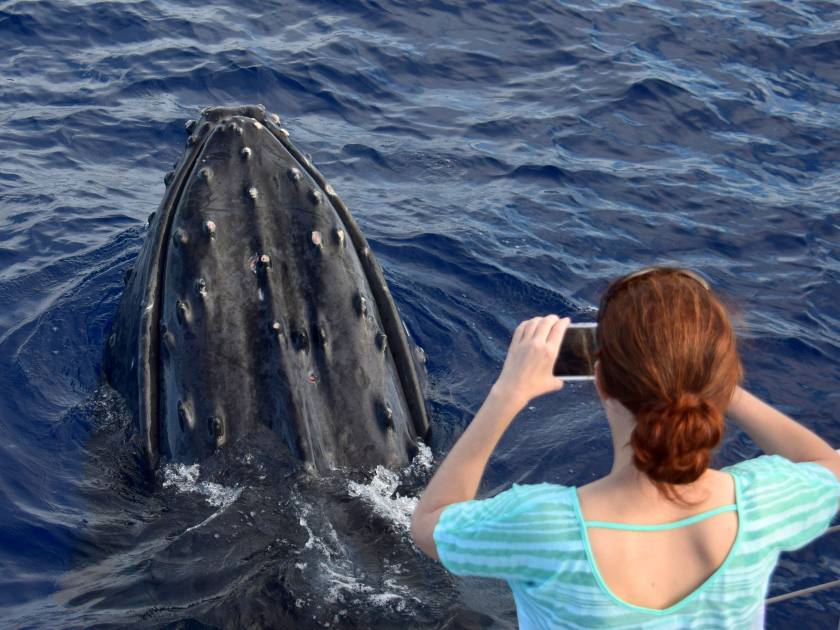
[774, 470]
[519, 508]
[786, 504]
[518, 499]
[540, 494]
[529, 500]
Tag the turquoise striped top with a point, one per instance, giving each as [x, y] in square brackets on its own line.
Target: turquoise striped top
[534, 537]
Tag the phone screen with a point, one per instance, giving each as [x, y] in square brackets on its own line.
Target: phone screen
[576, 358]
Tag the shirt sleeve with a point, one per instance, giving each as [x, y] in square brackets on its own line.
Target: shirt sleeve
[509, 536]
[796, 501]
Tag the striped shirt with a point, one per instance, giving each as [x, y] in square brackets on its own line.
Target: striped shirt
[534, 537]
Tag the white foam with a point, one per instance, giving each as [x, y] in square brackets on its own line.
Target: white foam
[383, 599]
[185, 479]
[346, 586]
[328, 548]
[422, 462]
[342, 584]
[381, 493]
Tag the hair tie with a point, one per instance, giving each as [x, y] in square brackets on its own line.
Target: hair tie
[687, 400]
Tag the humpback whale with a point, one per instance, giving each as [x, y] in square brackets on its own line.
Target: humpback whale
[256, 300]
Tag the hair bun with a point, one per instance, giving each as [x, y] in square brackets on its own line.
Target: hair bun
[685, 401]
[672, 440]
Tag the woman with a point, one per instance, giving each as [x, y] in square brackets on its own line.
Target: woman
[663, 540]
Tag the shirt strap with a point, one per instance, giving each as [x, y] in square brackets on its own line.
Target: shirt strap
[663, 526]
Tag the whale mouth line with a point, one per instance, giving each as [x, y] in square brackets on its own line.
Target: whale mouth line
[153, 310]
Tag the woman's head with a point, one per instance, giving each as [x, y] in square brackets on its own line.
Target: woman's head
[667, 353]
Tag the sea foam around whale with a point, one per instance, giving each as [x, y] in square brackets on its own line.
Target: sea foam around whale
[382, 495]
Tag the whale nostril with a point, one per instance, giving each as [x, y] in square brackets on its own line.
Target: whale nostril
[232, 126]
[360, 304]
[381, 341]
[210, 229]
[246, 153]
[168, 342]
[180, 237]
[167, 179]
[182, 313]
[201, 287]
[127, 274]
[151, 218]
[300, 340]
[384, 413]
[294, 174]
[183, 416]
[216, 428]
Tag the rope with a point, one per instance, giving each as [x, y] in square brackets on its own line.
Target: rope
[804, 591]
[810, 589]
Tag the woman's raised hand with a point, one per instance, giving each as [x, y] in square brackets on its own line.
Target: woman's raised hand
[528, 371]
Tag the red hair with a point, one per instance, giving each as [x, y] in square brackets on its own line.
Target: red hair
[667, 352]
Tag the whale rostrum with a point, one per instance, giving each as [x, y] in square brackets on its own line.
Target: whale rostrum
[256, 299]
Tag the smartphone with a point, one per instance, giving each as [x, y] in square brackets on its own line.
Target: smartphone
[576, 359]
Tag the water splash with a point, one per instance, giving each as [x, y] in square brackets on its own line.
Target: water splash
[185, 479]
[381, 493]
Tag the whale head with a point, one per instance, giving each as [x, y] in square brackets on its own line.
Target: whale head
[256, 300]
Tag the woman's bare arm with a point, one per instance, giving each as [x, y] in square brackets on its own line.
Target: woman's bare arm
[777, 434]
[527, 373]
[458, 477]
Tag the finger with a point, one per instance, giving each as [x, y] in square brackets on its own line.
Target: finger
[519, 332]
[529, 328]
[533, 328]
[558, 331]
[544, 326]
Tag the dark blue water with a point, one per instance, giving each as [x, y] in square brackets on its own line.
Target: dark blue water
[504, 160]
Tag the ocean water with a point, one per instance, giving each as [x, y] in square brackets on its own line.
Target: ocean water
[504, 160]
